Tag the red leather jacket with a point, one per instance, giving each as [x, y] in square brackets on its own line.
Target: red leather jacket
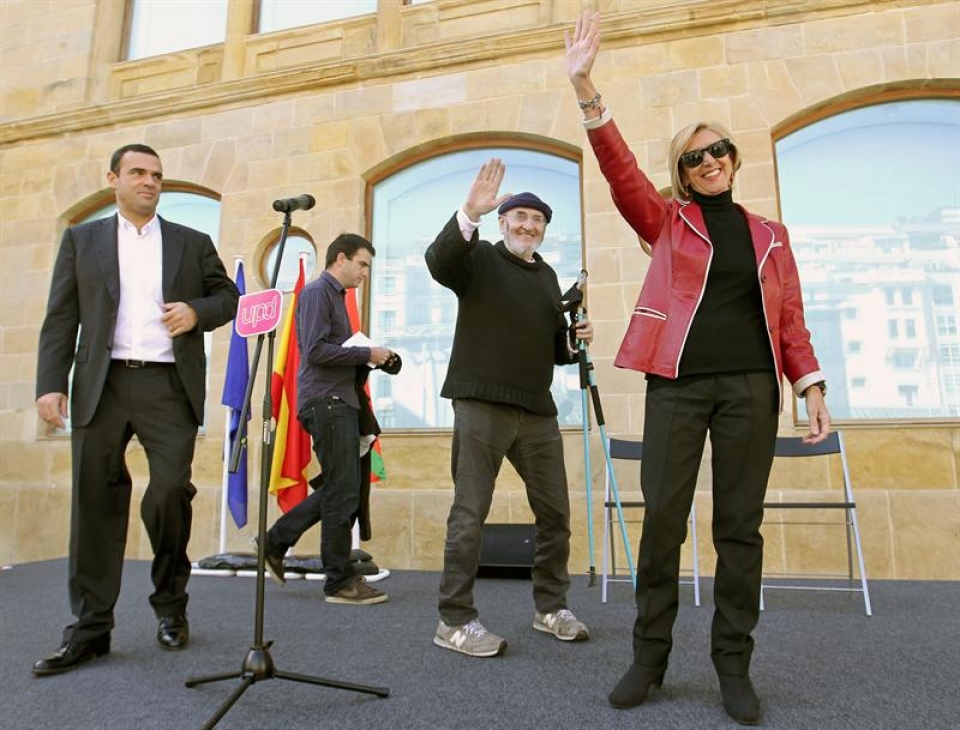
[675, 281]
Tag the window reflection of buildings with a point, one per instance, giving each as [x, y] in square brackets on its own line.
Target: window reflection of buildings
[882, 304]
[418, 324]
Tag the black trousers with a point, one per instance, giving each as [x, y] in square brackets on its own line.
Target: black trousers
[151, 403]
[740, 413]
[334, 428]
[291, 525]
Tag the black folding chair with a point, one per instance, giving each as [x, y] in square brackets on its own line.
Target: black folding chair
[790, 448]
[629, 450]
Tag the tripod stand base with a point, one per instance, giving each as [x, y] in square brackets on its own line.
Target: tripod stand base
[258, 666]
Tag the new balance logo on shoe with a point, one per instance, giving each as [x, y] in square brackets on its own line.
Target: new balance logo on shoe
[471, 639]
[562, 624]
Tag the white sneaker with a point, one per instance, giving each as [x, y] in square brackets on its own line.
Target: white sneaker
[471, 639]
[562, 624]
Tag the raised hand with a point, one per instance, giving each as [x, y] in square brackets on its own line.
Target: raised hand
[482, 197]
[582, 47]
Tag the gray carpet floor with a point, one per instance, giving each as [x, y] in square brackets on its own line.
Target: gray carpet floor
[820, 663]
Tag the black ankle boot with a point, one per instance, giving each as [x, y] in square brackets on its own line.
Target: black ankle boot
[740, 699]
[634, 686]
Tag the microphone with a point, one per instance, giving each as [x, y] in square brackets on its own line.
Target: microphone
[288, 205]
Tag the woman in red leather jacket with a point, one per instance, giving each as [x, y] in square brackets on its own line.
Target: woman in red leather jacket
[718, 324]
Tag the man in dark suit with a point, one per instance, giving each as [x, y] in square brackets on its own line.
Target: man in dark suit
[141, 291]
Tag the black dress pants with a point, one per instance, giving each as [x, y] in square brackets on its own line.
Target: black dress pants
[740, 413]
[151, 403]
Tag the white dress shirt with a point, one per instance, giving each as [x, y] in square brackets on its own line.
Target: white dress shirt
[139, 333]
[467, 226]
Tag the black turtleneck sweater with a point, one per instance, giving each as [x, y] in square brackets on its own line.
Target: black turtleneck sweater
[728, 333]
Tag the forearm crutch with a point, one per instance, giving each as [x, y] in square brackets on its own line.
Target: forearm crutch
[573, 304]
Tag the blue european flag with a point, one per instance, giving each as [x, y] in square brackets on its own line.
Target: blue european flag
[234, 389]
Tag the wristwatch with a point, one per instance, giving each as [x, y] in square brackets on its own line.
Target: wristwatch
[822, 384]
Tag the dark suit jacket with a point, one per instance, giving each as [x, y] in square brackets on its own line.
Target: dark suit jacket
[85, 295]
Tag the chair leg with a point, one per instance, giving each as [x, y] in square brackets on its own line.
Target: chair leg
[849, 515]
[863, 572]
[607, 548]
[696, 554]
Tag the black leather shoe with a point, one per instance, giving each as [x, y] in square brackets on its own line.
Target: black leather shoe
[634, 686]
[173, 632]
[740, 699]
[273, 562]
[72, 654]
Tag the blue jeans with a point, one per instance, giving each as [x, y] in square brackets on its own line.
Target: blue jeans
[483, 434]
[335, 429]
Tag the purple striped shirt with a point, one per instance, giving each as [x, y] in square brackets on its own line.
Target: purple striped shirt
[327, 369]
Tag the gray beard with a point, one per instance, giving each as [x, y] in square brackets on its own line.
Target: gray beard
[525, 253]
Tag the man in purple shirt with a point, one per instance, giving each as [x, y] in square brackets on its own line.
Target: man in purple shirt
[332, 405]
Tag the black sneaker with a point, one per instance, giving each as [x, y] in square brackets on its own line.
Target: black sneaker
[273, 562]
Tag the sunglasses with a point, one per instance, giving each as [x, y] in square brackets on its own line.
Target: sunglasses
[694, 158]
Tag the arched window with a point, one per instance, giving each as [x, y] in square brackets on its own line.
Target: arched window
[299, 243]
[414, 315]
[872, 200]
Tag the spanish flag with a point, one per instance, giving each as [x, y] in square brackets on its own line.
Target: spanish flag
[291, 443]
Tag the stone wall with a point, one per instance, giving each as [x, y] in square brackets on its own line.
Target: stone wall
[325, 108]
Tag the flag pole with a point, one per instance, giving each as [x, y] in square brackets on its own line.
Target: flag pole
[225, 479]
[355, 529]
[224, 486]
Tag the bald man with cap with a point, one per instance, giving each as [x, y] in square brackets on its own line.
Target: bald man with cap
[510, 333]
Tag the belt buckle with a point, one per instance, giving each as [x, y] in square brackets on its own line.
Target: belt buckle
[136, 364]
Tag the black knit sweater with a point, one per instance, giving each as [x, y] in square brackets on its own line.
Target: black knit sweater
[728, 333]
[510, 329]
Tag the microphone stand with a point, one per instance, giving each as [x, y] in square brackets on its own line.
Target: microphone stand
[258, 664]
[572, 303]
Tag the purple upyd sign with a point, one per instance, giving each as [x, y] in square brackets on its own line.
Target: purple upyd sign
[259, 313]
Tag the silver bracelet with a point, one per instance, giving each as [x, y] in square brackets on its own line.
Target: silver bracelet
[594, 103]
